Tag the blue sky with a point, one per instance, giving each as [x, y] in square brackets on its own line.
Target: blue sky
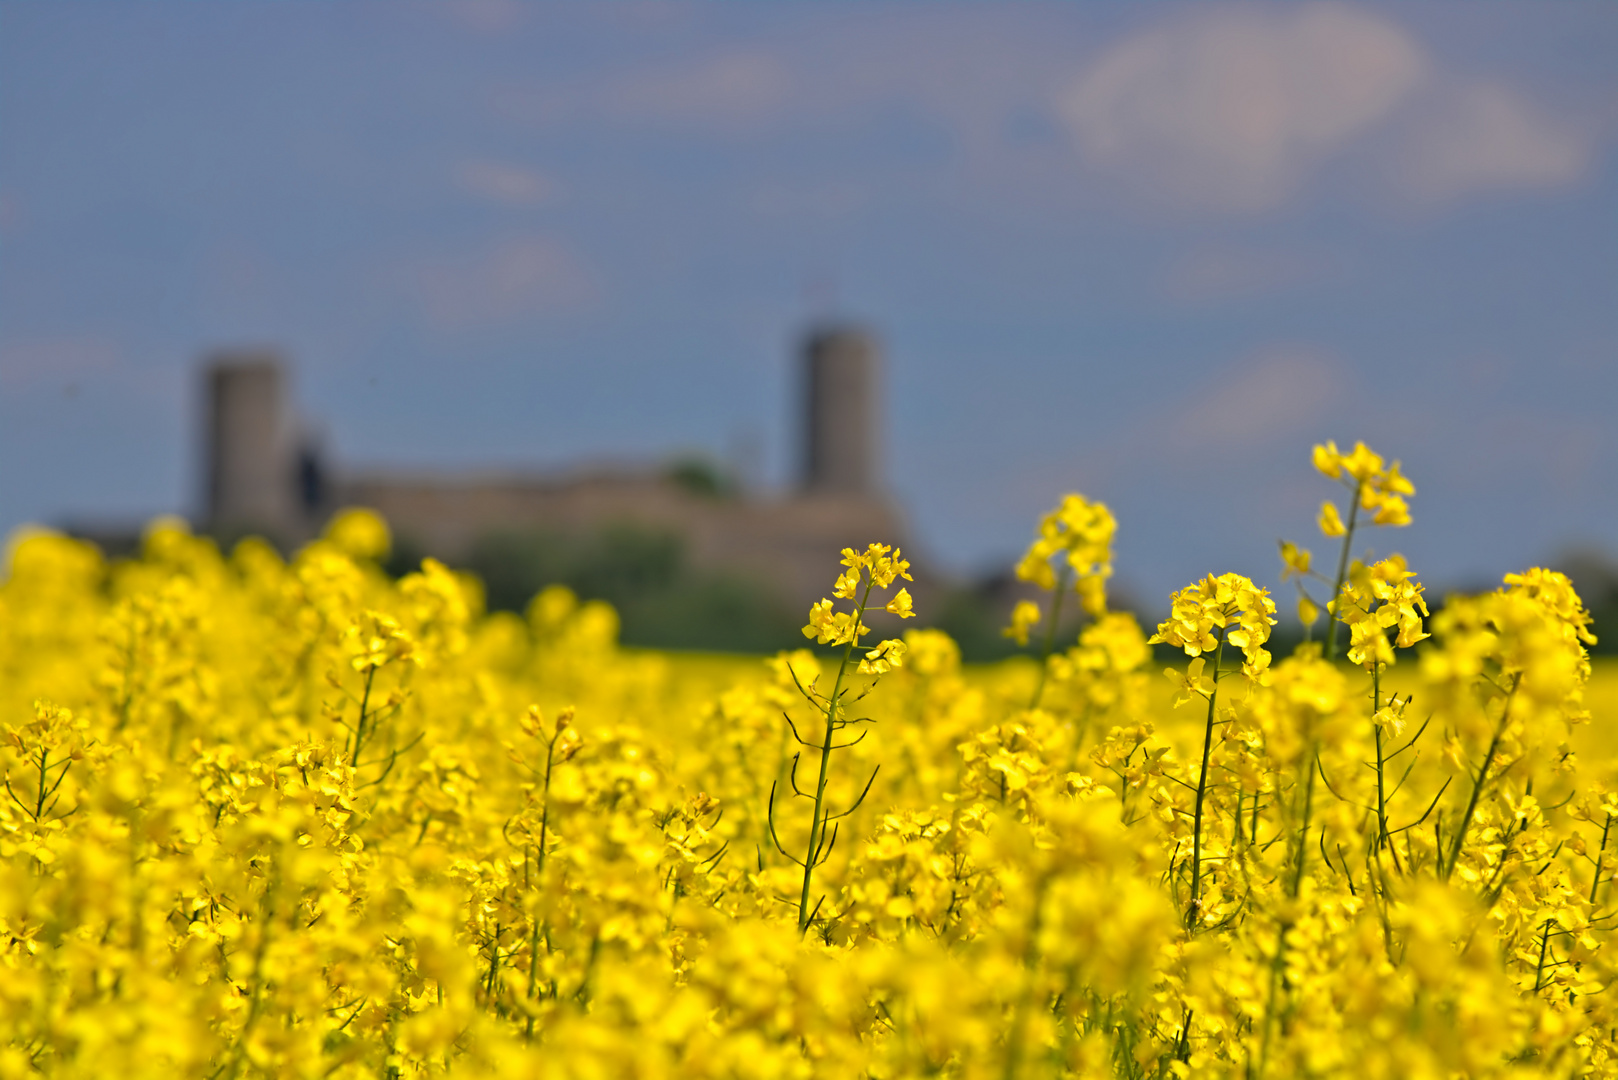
[1149, 252]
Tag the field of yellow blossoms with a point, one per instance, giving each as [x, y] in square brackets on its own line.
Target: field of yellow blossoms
[270, 818]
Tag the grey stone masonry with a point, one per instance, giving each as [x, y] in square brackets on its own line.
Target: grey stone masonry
[251, 457]
[841, 415]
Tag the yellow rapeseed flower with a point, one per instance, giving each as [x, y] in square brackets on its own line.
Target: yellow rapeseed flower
[1378, 598]
[884, 658]
[1078, 533]
[1296, 560]
[1024, 617]
[1331, 524]
[1229, 602]
[361, 533]
[1379, 488]
[901, 605]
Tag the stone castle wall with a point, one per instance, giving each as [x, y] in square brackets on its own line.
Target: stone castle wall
[260, 479]
[790, 544]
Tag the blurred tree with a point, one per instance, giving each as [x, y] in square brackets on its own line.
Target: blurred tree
[1595, 576]
[701, 476]
[662, 600]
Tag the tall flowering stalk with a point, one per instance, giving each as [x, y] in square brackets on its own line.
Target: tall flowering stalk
[1072, 551]
[1375, 600]
[878, 567]
[1375, 488]
[1207, 615]
[1296, 715]
[373, 641]
[1518, 651]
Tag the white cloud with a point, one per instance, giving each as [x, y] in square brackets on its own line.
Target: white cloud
[1277, 393]
[729, 91]
[831, 201]
[501, 283]
[1230, 109]
[1213, 109]
[10, 211]
[1232, 419]
[1234, 109]
[64, 361]
[1206, 274]
[1482, 136]
[1228, 427]
[501, 182]
[482, 16]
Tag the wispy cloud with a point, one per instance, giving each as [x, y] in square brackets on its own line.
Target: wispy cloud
[1215, 110]
[482, 16]
[1481, 136]
[730, 92]
[725, 91]
[1230, 109]
[1236, 109]
[1226, 272]
[1274, 395]
[835, 199]
[501, 282]
[57, 361]
[1281, 394]
[504, 182]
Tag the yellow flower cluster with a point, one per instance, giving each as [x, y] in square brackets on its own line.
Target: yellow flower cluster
[1073, 548]
[1376, 599]
[1378, 489]
[269, 817]
[1229, 608]
[1025, 616]
[1074, 539]
[879, 566]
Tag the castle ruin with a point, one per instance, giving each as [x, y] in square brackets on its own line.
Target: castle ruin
[263, 477]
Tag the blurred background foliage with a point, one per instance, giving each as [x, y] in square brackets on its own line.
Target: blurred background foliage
[664, 602]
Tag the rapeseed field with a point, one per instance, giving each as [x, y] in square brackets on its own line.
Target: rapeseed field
[295, 818]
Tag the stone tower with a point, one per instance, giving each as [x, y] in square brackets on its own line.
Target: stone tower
[840, 446]
[252, 462]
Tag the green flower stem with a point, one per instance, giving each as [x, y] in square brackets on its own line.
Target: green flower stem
[1483, 778]
[1544, 946]
[359, 727]
[1030, 966]
[1601, 854]
[1381, 762]
[1193, 910]
[545, 797]
[44, 782]
[1303, 833]
[816, 822]
[1278, 962]
[1050, 638]
[1342, 572]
